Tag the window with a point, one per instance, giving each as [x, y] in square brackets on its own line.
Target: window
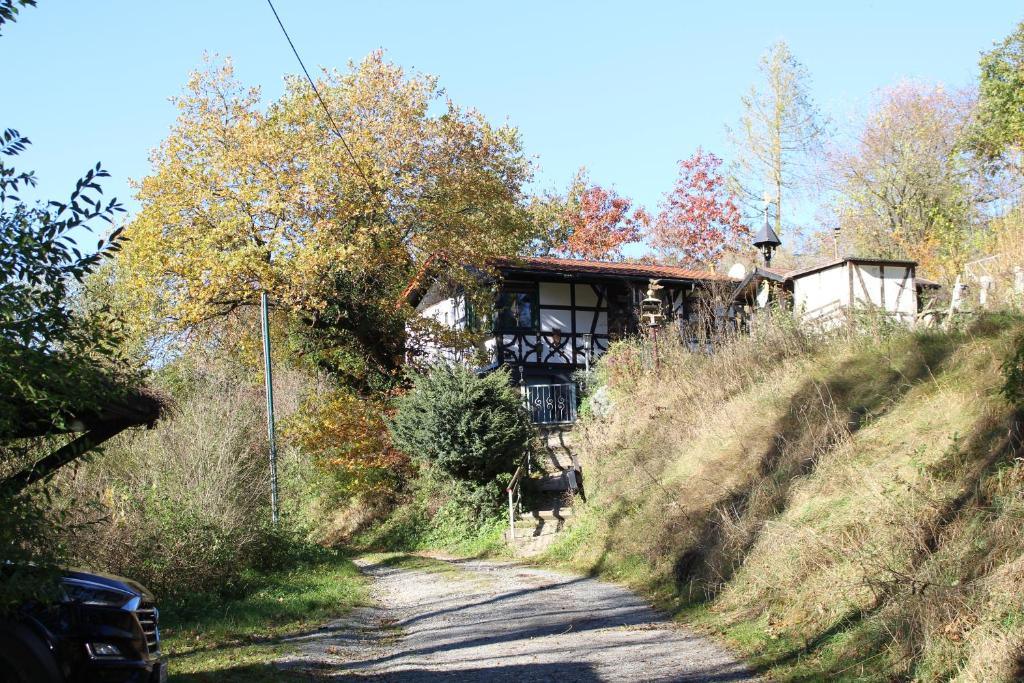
[517, 308]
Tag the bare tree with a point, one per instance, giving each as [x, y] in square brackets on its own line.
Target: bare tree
[905, 187]
[778, 133]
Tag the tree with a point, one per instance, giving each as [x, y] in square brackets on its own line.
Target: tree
[594, 222]
[348, 435]
[779, 131]
[58, 362]
[471, 428]
[905, 188]
[699, 220]
[243, 199]
[55, 361]
[9, 10]
[999, 125]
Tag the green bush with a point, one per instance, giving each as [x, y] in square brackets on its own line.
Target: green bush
[1013, 374]
[468, 427]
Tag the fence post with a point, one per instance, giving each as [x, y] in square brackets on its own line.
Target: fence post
[511, 517]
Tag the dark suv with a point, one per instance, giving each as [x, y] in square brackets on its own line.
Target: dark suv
[102, 629]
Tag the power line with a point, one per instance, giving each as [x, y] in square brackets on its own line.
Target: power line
[330, 117]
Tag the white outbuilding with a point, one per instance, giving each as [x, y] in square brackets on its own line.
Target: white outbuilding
[826, 293]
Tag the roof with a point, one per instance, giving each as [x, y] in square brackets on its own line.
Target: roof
[133, 409]
[849, 259]
[756, 276]
[83, 397]
[767, 236]
[569, 267]
[86, 395]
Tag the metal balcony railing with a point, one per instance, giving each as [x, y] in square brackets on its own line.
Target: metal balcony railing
[551, 403]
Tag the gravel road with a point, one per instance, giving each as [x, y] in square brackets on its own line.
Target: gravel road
[496, 622]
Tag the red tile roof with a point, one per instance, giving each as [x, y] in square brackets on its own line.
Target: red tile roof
[548, 264]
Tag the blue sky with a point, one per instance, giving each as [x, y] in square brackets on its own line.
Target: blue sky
[626, 89]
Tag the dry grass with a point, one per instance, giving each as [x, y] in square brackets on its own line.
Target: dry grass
[183, 507]
[843, 508]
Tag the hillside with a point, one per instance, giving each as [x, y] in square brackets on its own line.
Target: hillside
[844, 509]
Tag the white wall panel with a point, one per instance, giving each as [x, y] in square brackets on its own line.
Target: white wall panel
[554, 320]
[897, 279]
[821, 293]
[554, 294]
[585, 296]
[584, 319]
[867, 284]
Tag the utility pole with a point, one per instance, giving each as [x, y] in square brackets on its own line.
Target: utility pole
[268, 380]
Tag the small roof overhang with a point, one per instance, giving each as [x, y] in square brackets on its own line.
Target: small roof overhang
[868, 260]
[754, 278]
[111, 409]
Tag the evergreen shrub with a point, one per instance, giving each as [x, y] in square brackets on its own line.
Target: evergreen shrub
[468, 427]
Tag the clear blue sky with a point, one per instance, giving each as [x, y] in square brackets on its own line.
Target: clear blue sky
[625, 89]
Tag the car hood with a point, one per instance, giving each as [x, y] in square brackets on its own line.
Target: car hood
[112, 581]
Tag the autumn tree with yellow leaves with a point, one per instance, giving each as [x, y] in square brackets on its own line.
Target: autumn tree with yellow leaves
[338, 203]
[396, 183]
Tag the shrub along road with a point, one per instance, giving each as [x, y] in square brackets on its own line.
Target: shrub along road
[471, 620]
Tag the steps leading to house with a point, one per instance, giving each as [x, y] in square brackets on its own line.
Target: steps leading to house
[551, 483]
[551, 487]
[536, 528]
[560, 513]
[556, 448]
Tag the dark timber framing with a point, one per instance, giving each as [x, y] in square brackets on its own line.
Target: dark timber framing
[550, 350]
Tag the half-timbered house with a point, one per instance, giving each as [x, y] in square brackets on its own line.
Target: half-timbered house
[554, 316]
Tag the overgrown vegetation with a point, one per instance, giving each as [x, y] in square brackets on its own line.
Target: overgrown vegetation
[439, 514]
[841, 508]
[183, 508]
[467, 434]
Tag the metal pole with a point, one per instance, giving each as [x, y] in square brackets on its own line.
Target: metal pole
[654, 344]
[268, 380]
[511, 518]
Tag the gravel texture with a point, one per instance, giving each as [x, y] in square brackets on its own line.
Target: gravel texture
[496, 622]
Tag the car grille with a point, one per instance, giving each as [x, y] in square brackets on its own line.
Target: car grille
[149, 617]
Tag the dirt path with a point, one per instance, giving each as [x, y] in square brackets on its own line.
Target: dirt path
[495, 622]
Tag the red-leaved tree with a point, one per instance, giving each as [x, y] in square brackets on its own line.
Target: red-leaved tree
[698, 221]
[596, 221]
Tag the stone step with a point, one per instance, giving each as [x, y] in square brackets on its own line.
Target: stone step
[547, 526]
[546, 514]
[551, 482]
[530, 547]
[525, 535]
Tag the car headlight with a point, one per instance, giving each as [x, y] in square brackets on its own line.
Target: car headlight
[102, 650]
[84, 592]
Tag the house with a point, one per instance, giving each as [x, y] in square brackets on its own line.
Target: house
[554, 316]
[825, 294]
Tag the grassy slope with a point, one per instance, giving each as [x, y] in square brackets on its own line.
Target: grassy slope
[841, 510]
[210, 638]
